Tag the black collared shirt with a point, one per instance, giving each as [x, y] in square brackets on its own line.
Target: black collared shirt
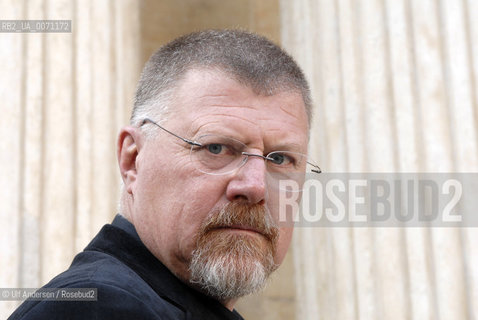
[131, 284]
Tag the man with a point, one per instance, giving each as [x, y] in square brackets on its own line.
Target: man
[220, 118]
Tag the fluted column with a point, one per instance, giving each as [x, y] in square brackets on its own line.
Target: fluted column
[64, 97]
[395, 85]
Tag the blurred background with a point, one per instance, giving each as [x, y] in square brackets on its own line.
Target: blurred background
[395, 88]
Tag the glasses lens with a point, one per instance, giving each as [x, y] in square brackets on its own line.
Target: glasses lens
[217, 154]
[289, 170]
[220, 155]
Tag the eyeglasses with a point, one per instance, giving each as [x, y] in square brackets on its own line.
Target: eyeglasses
[218, 155]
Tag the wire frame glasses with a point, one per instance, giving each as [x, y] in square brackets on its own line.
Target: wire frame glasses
[219, 155]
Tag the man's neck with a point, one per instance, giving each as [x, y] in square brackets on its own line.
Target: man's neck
[230, 303]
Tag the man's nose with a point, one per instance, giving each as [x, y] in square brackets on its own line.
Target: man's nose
[249, 182]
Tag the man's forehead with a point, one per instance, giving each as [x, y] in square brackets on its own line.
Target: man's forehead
[213, 102]
[216, 88]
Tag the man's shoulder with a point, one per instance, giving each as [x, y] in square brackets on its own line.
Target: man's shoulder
[121, 293]
[97, 267]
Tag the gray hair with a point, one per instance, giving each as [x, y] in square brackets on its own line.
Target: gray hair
[250, 59]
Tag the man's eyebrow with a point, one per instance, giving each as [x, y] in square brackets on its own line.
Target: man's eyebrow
[289, 146]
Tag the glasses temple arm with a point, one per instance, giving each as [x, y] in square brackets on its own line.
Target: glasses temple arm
[193, 143]
[317, 168]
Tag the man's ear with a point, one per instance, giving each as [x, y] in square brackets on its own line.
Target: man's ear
[128, 148]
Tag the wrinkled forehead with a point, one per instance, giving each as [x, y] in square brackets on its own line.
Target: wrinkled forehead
[206, 100]
[201, 83]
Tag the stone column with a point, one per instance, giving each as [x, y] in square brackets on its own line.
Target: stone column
[395, 85]
[64, 97]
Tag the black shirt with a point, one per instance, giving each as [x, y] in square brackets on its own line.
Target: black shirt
[131, 284]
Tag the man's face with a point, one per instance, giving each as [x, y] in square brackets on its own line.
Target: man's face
[172, 200]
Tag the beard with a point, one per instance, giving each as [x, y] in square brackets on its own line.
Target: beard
[227, 265]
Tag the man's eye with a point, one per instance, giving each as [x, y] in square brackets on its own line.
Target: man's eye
[280, 159]
[215, 148]
[277, 158]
